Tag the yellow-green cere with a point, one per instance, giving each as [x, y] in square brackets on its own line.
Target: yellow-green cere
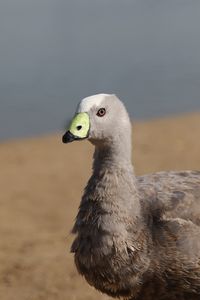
[80, 125]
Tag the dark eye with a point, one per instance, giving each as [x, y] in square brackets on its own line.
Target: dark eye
[101, 112]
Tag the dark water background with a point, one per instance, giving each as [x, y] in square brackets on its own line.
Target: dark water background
[55, 52]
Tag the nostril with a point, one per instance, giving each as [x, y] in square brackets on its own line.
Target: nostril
[78, 127]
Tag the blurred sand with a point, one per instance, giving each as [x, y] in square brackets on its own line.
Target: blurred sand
[41, 184]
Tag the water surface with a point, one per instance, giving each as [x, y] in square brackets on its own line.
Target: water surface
[53, 53]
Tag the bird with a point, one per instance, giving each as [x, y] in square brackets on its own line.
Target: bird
[136, 237]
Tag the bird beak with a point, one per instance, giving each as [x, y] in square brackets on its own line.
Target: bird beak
[78, 128]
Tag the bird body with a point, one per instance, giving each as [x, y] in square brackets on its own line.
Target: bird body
[137, 238]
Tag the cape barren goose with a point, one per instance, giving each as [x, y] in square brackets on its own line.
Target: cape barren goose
[136, 237]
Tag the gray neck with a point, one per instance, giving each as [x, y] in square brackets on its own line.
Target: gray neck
[116, 153]
[113, 168]
[113, 159]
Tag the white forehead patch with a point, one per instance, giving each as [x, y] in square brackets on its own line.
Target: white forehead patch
[86, 104]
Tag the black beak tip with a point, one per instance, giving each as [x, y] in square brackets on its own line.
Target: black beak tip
[68, 137]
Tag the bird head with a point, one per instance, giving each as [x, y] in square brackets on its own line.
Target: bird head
[99, 118]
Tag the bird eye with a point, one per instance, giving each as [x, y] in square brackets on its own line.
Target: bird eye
[101, 112]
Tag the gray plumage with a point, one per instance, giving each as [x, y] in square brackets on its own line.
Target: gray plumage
[136, 237]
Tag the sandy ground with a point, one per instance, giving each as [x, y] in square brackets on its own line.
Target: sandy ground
[41, 181]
